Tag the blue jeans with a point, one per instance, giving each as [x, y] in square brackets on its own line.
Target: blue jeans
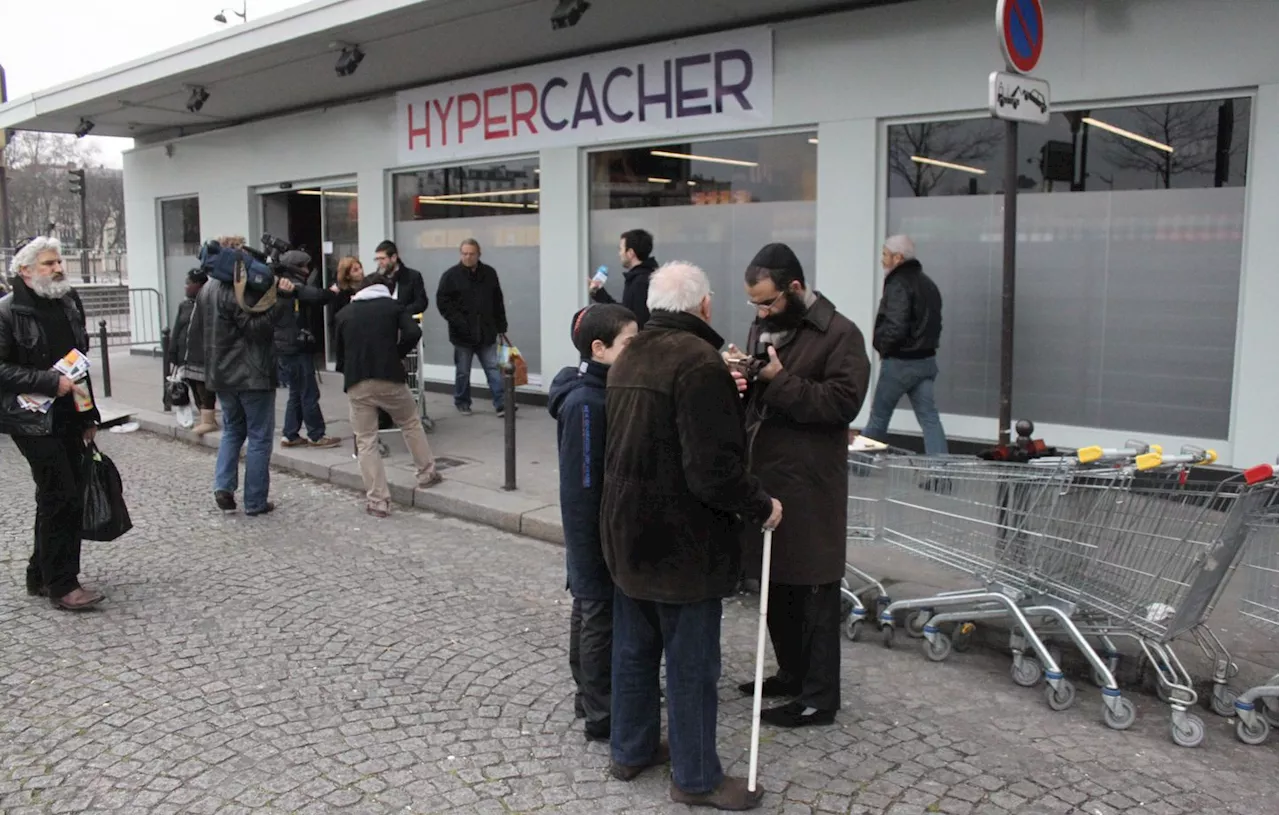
[690, 635]
[251, 416]
[298, 374]
[462, 357]
[912, 378]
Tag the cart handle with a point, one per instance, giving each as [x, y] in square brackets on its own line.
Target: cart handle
[1190, 455]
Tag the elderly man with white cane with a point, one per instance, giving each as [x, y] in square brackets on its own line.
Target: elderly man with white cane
[677, 495]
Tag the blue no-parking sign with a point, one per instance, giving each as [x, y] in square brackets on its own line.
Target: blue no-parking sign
[1020, 24]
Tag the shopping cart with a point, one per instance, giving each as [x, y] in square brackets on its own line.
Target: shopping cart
[858, 589]
[1260, 608]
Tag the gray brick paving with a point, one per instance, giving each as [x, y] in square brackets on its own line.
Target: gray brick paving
[319, 661]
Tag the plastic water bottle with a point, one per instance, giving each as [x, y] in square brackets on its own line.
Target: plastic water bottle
[601, 275]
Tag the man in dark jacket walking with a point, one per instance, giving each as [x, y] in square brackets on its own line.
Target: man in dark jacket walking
[470, 300]
[908, 327]
[406, 285]
[372, 336]
[294, 355]
[635, 250]
[577, 403]
[799, 406]
[42, 320]
[189, 356]
[676, 496]
[240, 367]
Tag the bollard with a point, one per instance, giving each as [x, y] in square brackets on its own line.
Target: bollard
[106, 359]
[509, 422]
[164, 370]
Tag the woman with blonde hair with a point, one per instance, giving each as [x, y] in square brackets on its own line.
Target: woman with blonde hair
[350, 278]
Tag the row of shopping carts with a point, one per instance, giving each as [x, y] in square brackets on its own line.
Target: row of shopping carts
[1095, 547]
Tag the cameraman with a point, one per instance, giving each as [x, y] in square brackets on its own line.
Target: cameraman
[240, 367]
[295, 346]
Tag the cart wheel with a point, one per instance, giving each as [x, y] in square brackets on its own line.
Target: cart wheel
[428, 424]
[1061, 697]
[1122, 717]
[1189, 732]
[886, 635]
[846, 606]
[962, 639]
[383, 450]
[1268, 712]
[916, 623]
[1026, 673]
[1256, 734]
[1222, 701]
[854, 630]
[939, 648]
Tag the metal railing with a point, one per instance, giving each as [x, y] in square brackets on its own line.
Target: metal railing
[126, 318]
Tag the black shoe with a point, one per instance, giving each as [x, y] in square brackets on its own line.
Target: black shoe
[35, 588]
[269, 507]
[597, 731]
[774, 688]
[225, 500]
[465, 410]
[797, 714]
[503, 411]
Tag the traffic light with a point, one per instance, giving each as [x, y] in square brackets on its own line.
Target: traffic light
[77, 182]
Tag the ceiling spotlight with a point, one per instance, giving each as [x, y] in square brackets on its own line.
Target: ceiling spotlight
[221, 17]
[568, 13]
[83, 128]
[197, 99]
[349, 60]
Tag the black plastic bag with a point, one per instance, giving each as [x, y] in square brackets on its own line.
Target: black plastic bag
[105, 515]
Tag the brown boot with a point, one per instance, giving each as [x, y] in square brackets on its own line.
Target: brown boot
[731, 795]
[208, 423]
[626, 772]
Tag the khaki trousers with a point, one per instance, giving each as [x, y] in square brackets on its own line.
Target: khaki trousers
[395, 399]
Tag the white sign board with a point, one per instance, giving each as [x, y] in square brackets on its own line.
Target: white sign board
[715, 83]
[1018, 98]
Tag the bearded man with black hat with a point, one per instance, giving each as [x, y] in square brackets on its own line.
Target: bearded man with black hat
[804, 382]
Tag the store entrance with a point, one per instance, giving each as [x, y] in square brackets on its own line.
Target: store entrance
[323, 222]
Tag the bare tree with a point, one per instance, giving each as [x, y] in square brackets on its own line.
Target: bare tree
[959, 142]
[40, 189]
[1190, 128]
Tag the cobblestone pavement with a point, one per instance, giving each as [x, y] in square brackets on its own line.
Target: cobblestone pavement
[318, 661]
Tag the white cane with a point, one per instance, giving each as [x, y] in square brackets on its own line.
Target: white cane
[760, 633]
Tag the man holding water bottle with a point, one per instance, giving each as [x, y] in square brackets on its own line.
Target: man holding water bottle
[635, 250]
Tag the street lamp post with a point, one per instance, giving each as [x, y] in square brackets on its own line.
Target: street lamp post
[6, 237]
[243, 13]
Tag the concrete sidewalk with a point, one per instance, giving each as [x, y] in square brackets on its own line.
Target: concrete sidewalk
[470, 450]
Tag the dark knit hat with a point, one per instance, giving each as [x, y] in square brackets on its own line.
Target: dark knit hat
[197, 276]
[577, 322]
[296, 258]
[778, 257]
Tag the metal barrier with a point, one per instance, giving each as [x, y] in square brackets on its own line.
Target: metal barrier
[509, 425]
[126, 318]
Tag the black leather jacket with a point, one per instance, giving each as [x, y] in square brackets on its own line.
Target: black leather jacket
[239, 352]
[909, 322]
[25, 361]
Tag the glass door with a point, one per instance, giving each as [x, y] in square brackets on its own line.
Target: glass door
[339, 235]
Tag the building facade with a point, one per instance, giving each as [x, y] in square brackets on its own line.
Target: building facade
[1147, 291]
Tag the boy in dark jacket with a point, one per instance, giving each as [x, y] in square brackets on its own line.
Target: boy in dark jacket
[600, 333]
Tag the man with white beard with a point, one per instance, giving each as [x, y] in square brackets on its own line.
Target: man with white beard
[42, 320]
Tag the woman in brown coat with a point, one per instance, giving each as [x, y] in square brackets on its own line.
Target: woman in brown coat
[807, 383]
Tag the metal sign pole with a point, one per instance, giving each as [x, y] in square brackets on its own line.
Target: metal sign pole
[5, 234]
[1010, 240]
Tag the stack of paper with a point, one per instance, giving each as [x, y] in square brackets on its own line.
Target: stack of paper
[74, 366]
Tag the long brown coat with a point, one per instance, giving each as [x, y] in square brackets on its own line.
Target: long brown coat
[799, 426]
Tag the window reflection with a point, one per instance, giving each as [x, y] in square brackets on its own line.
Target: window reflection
[470, 191]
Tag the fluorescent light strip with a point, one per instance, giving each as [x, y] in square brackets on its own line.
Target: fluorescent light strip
[713, 159]
[452, 202]
[1120, 131]
[813, 141]
[964, 168]
[452, 195]
[655, 180]
[334, 193]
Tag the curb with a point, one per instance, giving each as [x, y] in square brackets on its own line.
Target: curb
[508, 511]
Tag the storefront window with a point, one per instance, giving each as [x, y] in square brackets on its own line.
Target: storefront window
[713, 203]
[497, 205]
[1128, 261]
[180, 238]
